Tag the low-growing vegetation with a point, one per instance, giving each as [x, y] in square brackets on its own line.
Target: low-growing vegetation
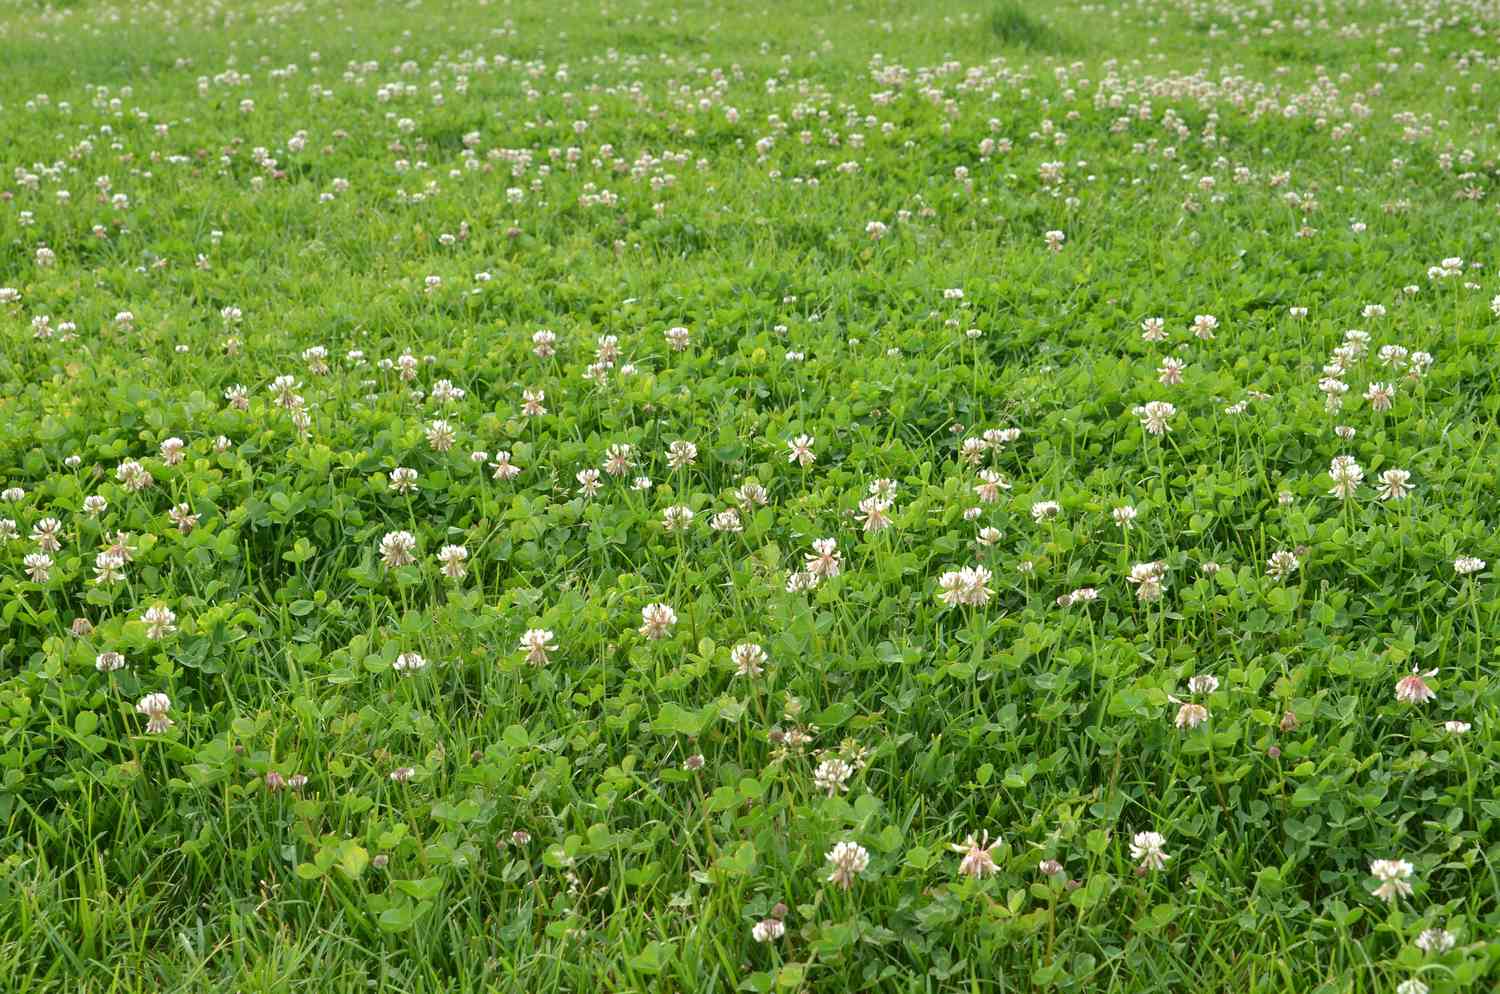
[546, 496]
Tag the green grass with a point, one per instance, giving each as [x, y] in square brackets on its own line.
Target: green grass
[1198, 161]
[1014, 24]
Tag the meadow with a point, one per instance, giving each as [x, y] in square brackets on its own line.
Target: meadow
[686, 496]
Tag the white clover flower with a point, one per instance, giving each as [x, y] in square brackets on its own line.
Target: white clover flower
[398, 548]
[825, 560]
[768, 930]
[1436, 941]
[1155, 416]
[454, 559]
[1149, 849]
[800, 451]
[848, 860]
[1413, 689]
[977, 855]
[155, 708]
[1393, 875]
[160, 621]
[749, 659]
[657, 621]
[832, 776]
[537, 643]
[409, 662]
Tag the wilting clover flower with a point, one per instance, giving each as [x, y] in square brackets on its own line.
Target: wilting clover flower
[617, 459]
[875, 514]
[109, 661]
[977, 855]
[1413, 689]
[155, 708]
[1190, 715]
[440, 435]
[1380, 396]
[182, 516]
[749, 659]
[825, 559]
[990, 485]
[503, 468]
[848, 860]
[133, 476]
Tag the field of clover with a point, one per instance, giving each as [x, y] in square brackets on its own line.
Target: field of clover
[687, 496]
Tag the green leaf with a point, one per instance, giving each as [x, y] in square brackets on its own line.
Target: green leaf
[353, 861]
[423, 889]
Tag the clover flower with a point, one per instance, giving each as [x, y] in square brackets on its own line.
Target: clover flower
[977, 855]
[848, 860]
[155, 708]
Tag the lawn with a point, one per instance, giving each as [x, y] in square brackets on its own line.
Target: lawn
[819, 497]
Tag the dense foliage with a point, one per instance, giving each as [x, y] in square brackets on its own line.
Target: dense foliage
[695, 497]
